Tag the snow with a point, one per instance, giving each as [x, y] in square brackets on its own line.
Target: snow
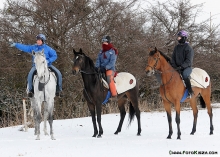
[74, 137]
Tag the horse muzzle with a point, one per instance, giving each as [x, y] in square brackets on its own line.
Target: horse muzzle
[75, 71]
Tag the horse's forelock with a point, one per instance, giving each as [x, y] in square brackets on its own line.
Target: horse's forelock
[152, 52]
[39, 57]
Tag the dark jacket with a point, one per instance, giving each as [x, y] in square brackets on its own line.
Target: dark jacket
[182, 56]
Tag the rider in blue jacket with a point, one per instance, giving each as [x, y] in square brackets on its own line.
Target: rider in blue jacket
[50, 55]
[106, 63]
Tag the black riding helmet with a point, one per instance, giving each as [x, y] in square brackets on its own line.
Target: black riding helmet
[106, 38]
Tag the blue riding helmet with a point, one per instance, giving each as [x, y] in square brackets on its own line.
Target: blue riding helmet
[182, 34]
[106, 38]
[41, 37]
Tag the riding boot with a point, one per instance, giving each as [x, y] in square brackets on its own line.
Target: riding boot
[189, 87]
[58, 92]
[30, 95]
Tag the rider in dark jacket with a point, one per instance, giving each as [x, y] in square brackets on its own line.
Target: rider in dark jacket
[182, 59]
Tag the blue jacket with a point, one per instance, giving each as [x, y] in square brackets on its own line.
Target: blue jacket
[50, 53]
[109, 62]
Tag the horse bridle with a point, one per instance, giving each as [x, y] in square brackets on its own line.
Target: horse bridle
[155, 65]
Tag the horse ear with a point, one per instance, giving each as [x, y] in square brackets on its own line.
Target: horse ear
[155, 49]
[42, 52]
[80, 50]
[74, 51]
[33, 53]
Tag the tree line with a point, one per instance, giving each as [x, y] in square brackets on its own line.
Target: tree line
[134, 27]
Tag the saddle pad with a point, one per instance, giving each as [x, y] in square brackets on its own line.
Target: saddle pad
[199, 78]
[124, 81]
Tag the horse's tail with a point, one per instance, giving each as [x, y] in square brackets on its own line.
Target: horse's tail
[131, 113]
[202, 102]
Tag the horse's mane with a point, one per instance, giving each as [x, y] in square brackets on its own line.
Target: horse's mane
[162, 54]
[91, 64]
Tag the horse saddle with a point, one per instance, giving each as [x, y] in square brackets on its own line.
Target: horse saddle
[123, 82]
[199, 78]
[41, 85]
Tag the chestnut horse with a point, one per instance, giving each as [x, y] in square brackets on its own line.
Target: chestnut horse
[95, 93]
[172, 89]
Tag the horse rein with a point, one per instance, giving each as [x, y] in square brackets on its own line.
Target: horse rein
[153, 68]
[81, 71]
[155, 65]
[45, 82]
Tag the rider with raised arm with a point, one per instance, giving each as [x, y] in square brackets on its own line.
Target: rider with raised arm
[50, 55]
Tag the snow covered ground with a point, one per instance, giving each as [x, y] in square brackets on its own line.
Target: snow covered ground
[74, 138]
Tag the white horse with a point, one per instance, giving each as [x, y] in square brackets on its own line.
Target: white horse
[44, 92]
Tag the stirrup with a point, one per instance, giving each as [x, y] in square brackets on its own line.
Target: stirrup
[30, 94]
[59, 94]
[189, 96]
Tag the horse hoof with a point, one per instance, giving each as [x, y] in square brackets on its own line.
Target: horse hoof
[99, 136]
[95, 134]
[211, 133]
[138, 134]
[178, 138]
[191, 133]
[169, 137]
[52, 137]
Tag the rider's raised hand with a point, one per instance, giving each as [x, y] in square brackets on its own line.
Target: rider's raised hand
[11, 43]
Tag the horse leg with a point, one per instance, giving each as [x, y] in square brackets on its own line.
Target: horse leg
[177, 106]
[45, 117]
[206, 95]
[50, 118]
[99, 112]
[134, 109]
[33, 105]
[167, 107]
[92, 111]
[37, 120]
[195, 114]
[121, 107]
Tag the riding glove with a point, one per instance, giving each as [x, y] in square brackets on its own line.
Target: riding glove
[11, 44]
[97, 69]
[102, 69]
[179, 69]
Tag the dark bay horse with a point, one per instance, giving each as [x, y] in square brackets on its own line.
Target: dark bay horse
[95, 93]
[172, 90]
